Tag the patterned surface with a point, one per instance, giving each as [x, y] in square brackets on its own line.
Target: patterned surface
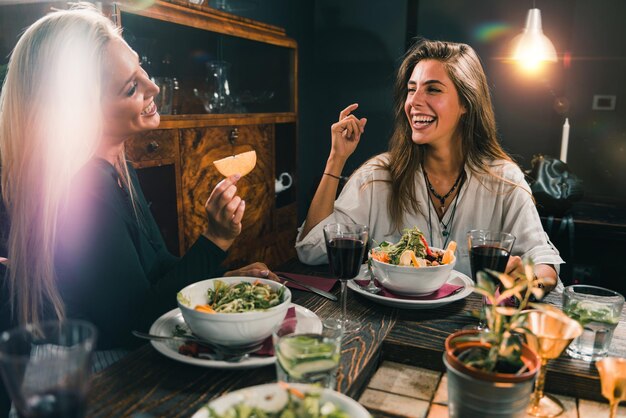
[407, 391]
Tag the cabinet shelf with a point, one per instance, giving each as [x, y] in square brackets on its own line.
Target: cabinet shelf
[201, 120]
[176, 39]
[185, 41]
[212, 20]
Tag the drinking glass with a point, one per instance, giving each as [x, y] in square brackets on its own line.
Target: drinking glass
[307, 352]
[613, 379]
[46, 368]
[163, 100]
[598, 311]
[488, 250]
[345, 245]
[552, 331]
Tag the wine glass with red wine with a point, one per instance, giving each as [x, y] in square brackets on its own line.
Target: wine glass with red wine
[345, 246]
[488, 250]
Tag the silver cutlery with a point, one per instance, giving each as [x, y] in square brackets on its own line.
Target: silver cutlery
[220, 352]
[309, 287]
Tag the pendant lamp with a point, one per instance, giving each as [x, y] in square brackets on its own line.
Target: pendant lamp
[531, 47]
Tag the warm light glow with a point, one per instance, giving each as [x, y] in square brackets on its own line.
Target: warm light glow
[531, 48]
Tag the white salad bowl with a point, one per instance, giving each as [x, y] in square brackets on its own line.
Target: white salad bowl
[411, 281]
[272, 398]
[231, 329]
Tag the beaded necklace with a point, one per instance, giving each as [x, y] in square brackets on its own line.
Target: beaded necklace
[445, 232]
[442, 199]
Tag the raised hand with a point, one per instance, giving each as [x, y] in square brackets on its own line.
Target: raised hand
[346, 133]
[224, 213]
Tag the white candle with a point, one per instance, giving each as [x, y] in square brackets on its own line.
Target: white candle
[565, 140]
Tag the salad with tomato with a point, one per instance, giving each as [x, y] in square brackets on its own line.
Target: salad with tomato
[413, 250]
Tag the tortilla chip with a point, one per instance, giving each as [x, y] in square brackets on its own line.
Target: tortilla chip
[236, 164]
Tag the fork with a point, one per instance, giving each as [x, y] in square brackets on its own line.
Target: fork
[220, 352]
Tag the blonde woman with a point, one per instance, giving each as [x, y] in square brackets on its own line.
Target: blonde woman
[77, 230]
[445, 171]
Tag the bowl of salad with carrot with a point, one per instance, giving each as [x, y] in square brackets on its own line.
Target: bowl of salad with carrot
[411, 266]
[234, 311]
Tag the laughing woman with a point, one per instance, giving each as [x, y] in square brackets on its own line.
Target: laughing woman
[445, 171]
[76, 228]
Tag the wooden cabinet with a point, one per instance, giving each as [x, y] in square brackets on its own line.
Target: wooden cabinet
[255, 109]
[232, 83]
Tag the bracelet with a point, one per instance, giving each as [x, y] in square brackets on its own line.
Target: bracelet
[336, 177]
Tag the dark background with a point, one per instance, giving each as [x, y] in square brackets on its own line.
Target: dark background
[349, 52]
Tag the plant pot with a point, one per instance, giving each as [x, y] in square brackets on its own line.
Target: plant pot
[475, 393]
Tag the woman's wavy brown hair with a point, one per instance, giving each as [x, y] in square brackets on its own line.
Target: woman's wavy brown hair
[478, 127]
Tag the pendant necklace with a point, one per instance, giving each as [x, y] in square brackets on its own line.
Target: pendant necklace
[445, 226]
[442, 199]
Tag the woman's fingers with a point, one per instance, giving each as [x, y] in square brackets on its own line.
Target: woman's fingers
[238, 216]
[514, 263]
[352, 128]
[223, 193]
[345, 112]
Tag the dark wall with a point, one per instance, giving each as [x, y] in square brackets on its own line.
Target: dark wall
[349, 51]
[598, 140]
[529, 122]
[356, 51]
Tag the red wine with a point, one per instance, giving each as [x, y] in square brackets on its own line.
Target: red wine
[345, 256]
[55, 404]
[487, 257]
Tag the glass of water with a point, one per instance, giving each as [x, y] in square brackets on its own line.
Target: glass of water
[46, 368]
[307, 352]
[598, 310]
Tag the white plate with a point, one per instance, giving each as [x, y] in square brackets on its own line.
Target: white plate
[166, 324]
[456, 278]
[272, 397]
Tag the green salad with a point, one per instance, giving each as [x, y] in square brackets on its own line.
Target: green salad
[412, 239]
[298, 406]
[243, 297]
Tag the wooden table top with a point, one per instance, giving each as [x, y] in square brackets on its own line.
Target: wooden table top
[147, 382]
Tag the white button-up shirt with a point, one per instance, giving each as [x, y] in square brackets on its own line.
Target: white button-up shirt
[484, 202]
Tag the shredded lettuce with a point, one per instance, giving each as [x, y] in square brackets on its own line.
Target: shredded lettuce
[411, 240]
[243, 297]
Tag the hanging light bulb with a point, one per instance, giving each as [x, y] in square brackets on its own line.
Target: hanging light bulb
[532, 47]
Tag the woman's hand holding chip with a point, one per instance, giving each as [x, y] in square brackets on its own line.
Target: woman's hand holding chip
[224, 213]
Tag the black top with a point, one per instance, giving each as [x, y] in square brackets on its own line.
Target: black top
[112, 269]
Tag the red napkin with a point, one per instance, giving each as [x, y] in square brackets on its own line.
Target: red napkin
[267, 349]
[444, 291]
[321, 283]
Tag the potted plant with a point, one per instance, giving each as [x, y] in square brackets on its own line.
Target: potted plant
[491, 372]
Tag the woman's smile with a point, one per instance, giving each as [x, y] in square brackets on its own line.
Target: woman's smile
[420, 121]
[149, 110]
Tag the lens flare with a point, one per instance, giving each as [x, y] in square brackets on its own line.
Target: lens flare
[491, 31]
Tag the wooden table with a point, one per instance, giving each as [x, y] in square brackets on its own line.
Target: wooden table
[146, 381]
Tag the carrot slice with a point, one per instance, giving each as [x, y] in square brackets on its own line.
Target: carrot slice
[447, 257]
[381, 256]
[295, 392]
[452, 246]
[204, 308]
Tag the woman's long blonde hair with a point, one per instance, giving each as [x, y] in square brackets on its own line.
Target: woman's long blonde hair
[479, 139]
[50, 127]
